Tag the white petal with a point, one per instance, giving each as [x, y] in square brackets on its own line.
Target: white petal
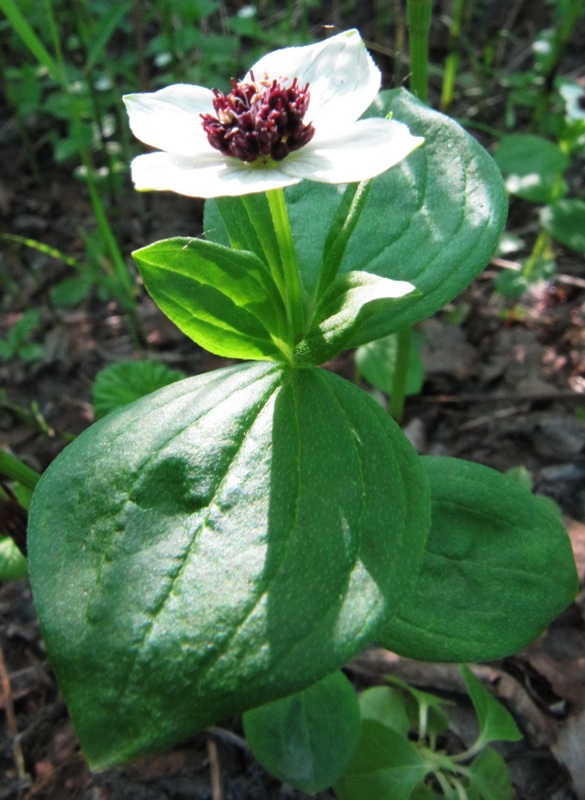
[170, 118]
[343, 78]
[218, 177]
[368, 148]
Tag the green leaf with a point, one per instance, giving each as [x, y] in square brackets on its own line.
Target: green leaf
[71, 291]
[489, 777]
[307, 739]
[433, 220]
[532, 166]
[565, 221]
[108, 21]
[376, 362]
[25, 326]
[386, 705]
[26, 32]
[223, 299]
[496, 724]
[386, 766]
[226, 541]
[31, 351]
[350, 301]
[12, 562]
[497, 570]
[122, 383]
[512, 283]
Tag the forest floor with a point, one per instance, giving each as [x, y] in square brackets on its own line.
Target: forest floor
[502, 387]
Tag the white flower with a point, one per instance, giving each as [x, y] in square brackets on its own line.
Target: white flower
[574, 96]
[295, 113]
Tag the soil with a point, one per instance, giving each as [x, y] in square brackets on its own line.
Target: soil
[502, 388]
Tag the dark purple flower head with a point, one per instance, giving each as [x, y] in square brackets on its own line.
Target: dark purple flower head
[259, 120]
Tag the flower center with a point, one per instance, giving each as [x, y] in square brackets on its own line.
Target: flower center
[259, 120]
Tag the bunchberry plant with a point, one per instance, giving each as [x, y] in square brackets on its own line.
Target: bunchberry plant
[235, 537]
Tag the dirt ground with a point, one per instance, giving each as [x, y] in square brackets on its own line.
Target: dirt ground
[502, 388]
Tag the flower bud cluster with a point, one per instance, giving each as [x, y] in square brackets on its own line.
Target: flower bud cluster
[259, 120]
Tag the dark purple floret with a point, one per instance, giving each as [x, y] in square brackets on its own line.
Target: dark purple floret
[259, 120]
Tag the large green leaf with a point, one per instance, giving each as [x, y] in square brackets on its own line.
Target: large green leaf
[307, 739]
[223, 299]
[225, 541]
[497, 569]
[433, 220]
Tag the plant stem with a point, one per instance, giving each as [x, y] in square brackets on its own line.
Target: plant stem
[396, 407]
[540, 246]
[292, 294]
[418, 17]
[15, 470]
[452, 60]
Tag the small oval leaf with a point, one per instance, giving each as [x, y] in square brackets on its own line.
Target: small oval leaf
[307, 739]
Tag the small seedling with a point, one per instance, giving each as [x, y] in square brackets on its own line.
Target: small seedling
[16, 343]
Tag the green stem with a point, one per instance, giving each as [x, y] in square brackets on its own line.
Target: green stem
[418, 17]
[540, 246]
[452, 60]
[15, 470]
[292, 295]
[398, 392]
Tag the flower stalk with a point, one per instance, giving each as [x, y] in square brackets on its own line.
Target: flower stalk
[292, 294]
[418, 15]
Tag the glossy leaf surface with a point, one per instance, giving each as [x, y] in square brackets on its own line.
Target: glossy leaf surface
[351, 300]
[497, 570]
[228, 540]
[223, 299]
[307, 739]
